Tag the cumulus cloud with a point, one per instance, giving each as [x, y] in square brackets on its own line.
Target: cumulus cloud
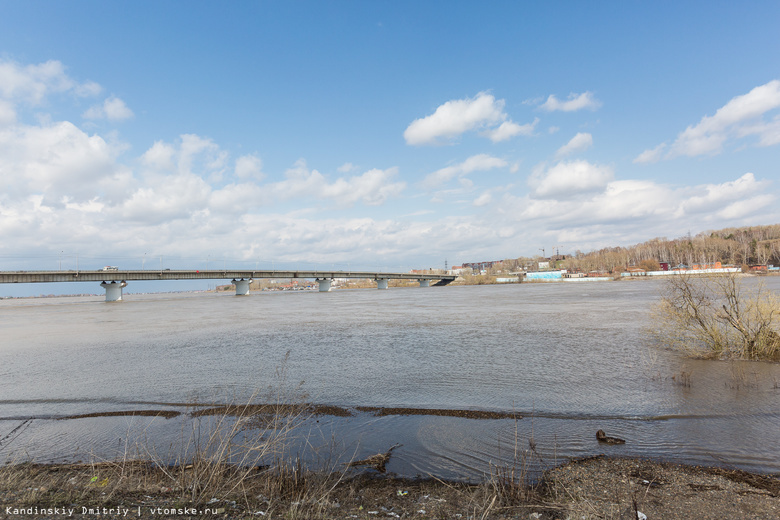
[372, 188]
[113, 109]
[7, 113]
[631, 210]
[716, 197]
[569, 178]
[459, 116]
[578, 143]
[64, 188]
[57, 160]
[165, 198]
[481, 162]
[484, 199]
[652, 155]
[32, 83]
[574, 102]
[746, 208]
[509, 129]
[249, 167]
[741, 117]
[159, 157]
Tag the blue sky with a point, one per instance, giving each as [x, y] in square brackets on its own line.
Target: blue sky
[378, 134]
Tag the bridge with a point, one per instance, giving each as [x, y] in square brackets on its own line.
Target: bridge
[114, 280]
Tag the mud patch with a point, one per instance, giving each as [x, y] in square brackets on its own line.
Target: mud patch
[467, 414]
[168, 414]
[274, 409]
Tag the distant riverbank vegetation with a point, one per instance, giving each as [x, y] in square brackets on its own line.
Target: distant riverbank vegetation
[743, 247]
[756, 245]
[718, 317]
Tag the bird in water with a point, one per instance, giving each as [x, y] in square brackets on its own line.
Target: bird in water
[602, 437]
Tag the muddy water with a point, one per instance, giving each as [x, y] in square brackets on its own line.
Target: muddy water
[570, 357]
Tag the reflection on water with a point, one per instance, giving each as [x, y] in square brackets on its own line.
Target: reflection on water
[569, 357]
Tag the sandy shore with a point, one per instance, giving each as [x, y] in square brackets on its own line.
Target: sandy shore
[598, 487]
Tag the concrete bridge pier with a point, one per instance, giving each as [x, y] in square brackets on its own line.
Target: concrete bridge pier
[242, 286]
[324, 284]
[113, 290]
[425, 283]
[381, 283]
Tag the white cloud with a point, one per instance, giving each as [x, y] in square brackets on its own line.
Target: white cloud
[484, 199]
[454, 118]
[116, 110]
[574, 102]
[249, 167]
[567, 179]
[372, 188]
[236, 199]
[630, 211]
[88, 89]
[714, 197]
[57, 160]
[64, 189]
[481, 162]
[7, 113]
[746, 208]
[740, 117]
[578, 143]
[159, 157]
[652, 155]
[165, 198]
[768, 132]
[91, 206]
[113, 109]
[459, 116]
[509, 129]
[199, 155]
[32, 83]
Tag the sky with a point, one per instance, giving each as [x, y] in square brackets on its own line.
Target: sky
[378, 135]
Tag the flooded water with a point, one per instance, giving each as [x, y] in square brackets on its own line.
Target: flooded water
[570, 357]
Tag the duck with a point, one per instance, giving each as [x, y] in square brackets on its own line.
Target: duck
[602, 437]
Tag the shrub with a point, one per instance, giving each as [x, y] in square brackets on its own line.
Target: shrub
[717, 317]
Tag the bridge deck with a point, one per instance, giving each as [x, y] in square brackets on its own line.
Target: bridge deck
[215, 274]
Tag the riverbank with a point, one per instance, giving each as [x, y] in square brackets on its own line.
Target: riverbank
[597, 487]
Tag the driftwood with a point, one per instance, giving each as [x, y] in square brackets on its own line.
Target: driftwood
[377, 461]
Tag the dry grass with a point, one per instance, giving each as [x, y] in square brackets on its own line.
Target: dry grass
[241, 461]
[717, 317]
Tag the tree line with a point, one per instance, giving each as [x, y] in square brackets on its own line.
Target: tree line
[754, 245]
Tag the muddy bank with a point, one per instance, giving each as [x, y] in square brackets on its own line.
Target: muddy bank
[593, 488]
[301, 409]
[441, 412]
[602, 487]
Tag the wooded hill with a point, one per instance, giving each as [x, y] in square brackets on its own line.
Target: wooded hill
[736, 246]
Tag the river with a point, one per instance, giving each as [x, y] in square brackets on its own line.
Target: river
[571, 358]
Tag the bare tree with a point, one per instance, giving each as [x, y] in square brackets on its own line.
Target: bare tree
[716, 317]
